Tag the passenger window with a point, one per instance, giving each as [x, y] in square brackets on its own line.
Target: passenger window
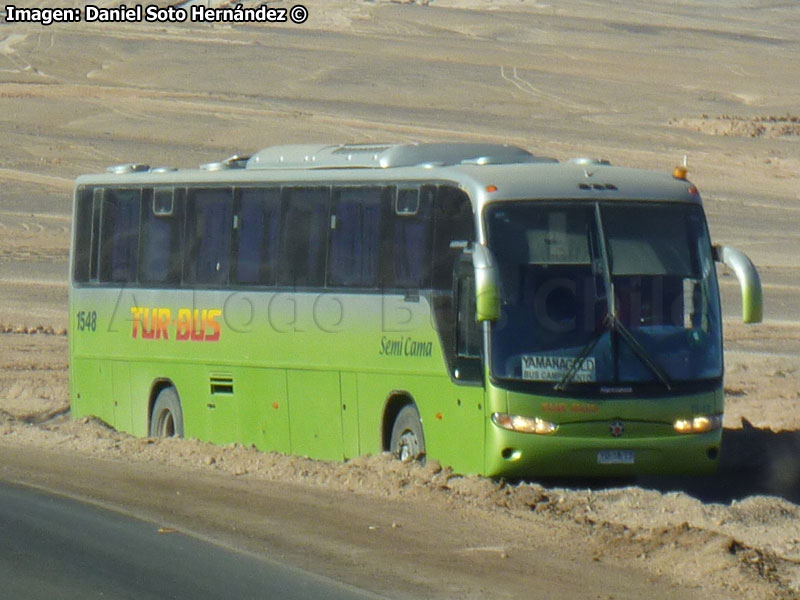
[94, 252]
[355, 249]
[258, 230]
[466, 365]
[83, 235]
[209, 229]
[468, 333]
[454, 231]
[410, 237]
[304, 244]
[160, 258]
[119, 247]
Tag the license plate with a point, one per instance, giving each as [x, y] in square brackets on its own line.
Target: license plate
[616, 457]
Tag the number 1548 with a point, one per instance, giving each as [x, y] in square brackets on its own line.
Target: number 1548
[87, 320]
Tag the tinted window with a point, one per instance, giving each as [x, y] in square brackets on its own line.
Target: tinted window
[94, 246]
[410, 236]
[356, 237]
[258, 227]
[121, 212]
[651, 240]
[304, 243]
[468, 335]
[82, 231]
[160, 258]
[209, 229]
[454, 230]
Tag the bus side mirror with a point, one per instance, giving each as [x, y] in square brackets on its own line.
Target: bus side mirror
[749, 281]
[487, 284]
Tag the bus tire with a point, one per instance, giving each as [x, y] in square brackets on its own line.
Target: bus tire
[167, 418]
[408, 442]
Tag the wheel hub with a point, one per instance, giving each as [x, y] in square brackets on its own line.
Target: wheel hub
[408, 447]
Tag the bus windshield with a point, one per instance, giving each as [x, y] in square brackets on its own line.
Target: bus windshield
[560, 265]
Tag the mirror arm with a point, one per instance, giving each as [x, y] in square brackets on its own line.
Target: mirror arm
[749, 281]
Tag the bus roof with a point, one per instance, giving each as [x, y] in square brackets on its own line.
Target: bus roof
[488, 172]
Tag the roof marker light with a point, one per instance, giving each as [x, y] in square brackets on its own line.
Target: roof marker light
[680, 172]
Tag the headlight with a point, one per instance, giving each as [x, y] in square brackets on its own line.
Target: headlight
[698, 424]
[524, 424]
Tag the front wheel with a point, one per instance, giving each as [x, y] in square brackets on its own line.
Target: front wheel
[167, 417]
[408, 442]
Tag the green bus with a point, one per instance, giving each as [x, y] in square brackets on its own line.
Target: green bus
[504, 313]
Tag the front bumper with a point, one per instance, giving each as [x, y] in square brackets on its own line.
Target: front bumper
[514, 454]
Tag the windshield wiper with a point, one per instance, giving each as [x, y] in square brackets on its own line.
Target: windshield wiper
[578, 362]
[611, 322]
[642, 353]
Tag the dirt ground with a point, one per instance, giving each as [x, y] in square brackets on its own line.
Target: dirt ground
[639, 84]
[411, 531]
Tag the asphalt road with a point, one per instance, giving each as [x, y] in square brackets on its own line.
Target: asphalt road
[54, 547]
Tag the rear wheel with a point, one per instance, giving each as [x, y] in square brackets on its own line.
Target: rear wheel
[407, 441]
[167, 417]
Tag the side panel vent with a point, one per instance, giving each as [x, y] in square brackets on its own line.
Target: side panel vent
[221, 385]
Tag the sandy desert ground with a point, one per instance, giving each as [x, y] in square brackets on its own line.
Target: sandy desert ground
[641, 84]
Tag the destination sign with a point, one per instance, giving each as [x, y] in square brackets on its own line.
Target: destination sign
[554, 368]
